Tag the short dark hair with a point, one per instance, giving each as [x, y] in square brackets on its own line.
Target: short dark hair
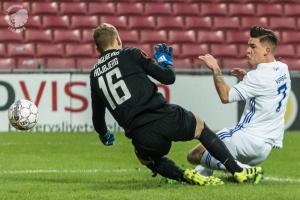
[104, 36]
[264, 35]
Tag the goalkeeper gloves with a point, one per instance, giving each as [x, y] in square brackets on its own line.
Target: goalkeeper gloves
[107, 139]
[163, 54]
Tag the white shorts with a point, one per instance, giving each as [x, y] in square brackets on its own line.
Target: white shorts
[244, 147]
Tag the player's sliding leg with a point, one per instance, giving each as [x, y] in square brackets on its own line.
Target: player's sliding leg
[218, 150]
[208, 163]
[167, 168]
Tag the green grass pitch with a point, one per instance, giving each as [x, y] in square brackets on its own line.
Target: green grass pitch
[63, 166]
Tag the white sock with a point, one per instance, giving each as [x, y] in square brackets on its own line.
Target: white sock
[210, 162]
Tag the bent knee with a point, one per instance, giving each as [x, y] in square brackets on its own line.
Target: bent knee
[194, 157]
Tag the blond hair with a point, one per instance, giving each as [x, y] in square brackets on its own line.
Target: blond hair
[104, 36]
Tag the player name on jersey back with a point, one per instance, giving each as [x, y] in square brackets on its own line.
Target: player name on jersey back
[100, 69]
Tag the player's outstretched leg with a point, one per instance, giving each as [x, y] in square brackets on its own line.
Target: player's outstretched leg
[167, 168]
[249, 175]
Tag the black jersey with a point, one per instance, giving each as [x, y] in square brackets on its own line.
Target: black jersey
[119, 81]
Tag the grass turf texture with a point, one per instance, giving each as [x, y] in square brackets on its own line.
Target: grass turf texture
[64, 166]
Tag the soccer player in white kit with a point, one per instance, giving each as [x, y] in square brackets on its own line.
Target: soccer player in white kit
[265, 90]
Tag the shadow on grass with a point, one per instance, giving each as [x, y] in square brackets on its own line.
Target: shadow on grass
[94, 183]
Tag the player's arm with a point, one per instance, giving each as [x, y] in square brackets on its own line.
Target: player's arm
[98, 118]
[221, 86]
[162, 73]
[98, 113]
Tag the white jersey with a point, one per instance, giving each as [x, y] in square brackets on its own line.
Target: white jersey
[265, 90]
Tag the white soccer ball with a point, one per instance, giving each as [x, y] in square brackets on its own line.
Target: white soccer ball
[23, 114]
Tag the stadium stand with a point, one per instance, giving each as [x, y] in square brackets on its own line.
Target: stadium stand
[58, 34]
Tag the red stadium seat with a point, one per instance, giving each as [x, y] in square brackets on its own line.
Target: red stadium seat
[226, 23]
[75, 50]
[86, 63]
[139, 22]
[73, 8]
[237, 37]
[9, 5]
[87, 35]
[241, 9]
[269, 10]
[3, 21]
[157, 9]
[198, 22]
[84, 21]
[257, 1]
[182, 36]
[7, 63]
[182, 9]
[9, 35]
[118, 22]
[220, 50]
[283, 23]
[285, 1]
[153, 36]
[2, 50]
[248, 22]
[294, 64]
[298, 51]
[211, 37]
[183, 63]
[292, 9]
[102, 8]
[60, 63]
[228, 1]
[44, 8]
[243, 50]
[234, 63]
[130, 8]
[290, 37]
[165, 22]
[213, 9]
[50, 50]
[67, 35]
[33, 35]
[30, 63]
[34, 21]
[21, 50]
[129, 36]
[55, 21]
[194, 50]
[286, 50]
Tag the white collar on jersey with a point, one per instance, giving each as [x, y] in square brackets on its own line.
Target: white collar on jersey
[262, 65]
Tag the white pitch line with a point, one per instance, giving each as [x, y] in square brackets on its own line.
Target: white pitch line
[91, 171]
[281, 179]
[65, 171]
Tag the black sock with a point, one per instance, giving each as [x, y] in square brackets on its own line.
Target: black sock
[218, 150]
[167, 168]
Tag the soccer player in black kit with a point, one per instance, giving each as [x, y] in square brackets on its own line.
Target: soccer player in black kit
[119, 82]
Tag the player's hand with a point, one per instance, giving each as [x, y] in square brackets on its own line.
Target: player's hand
[238, 73]
[107, 138]
[209, 61]
[163, 54]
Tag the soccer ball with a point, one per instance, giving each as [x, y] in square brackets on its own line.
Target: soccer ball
[23, 114]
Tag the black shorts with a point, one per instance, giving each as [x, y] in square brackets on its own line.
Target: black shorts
[153, 140]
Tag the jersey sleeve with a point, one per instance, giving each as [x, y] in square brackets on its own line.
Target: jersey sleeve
[165, 75]
[251, 86]
[98, 112]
